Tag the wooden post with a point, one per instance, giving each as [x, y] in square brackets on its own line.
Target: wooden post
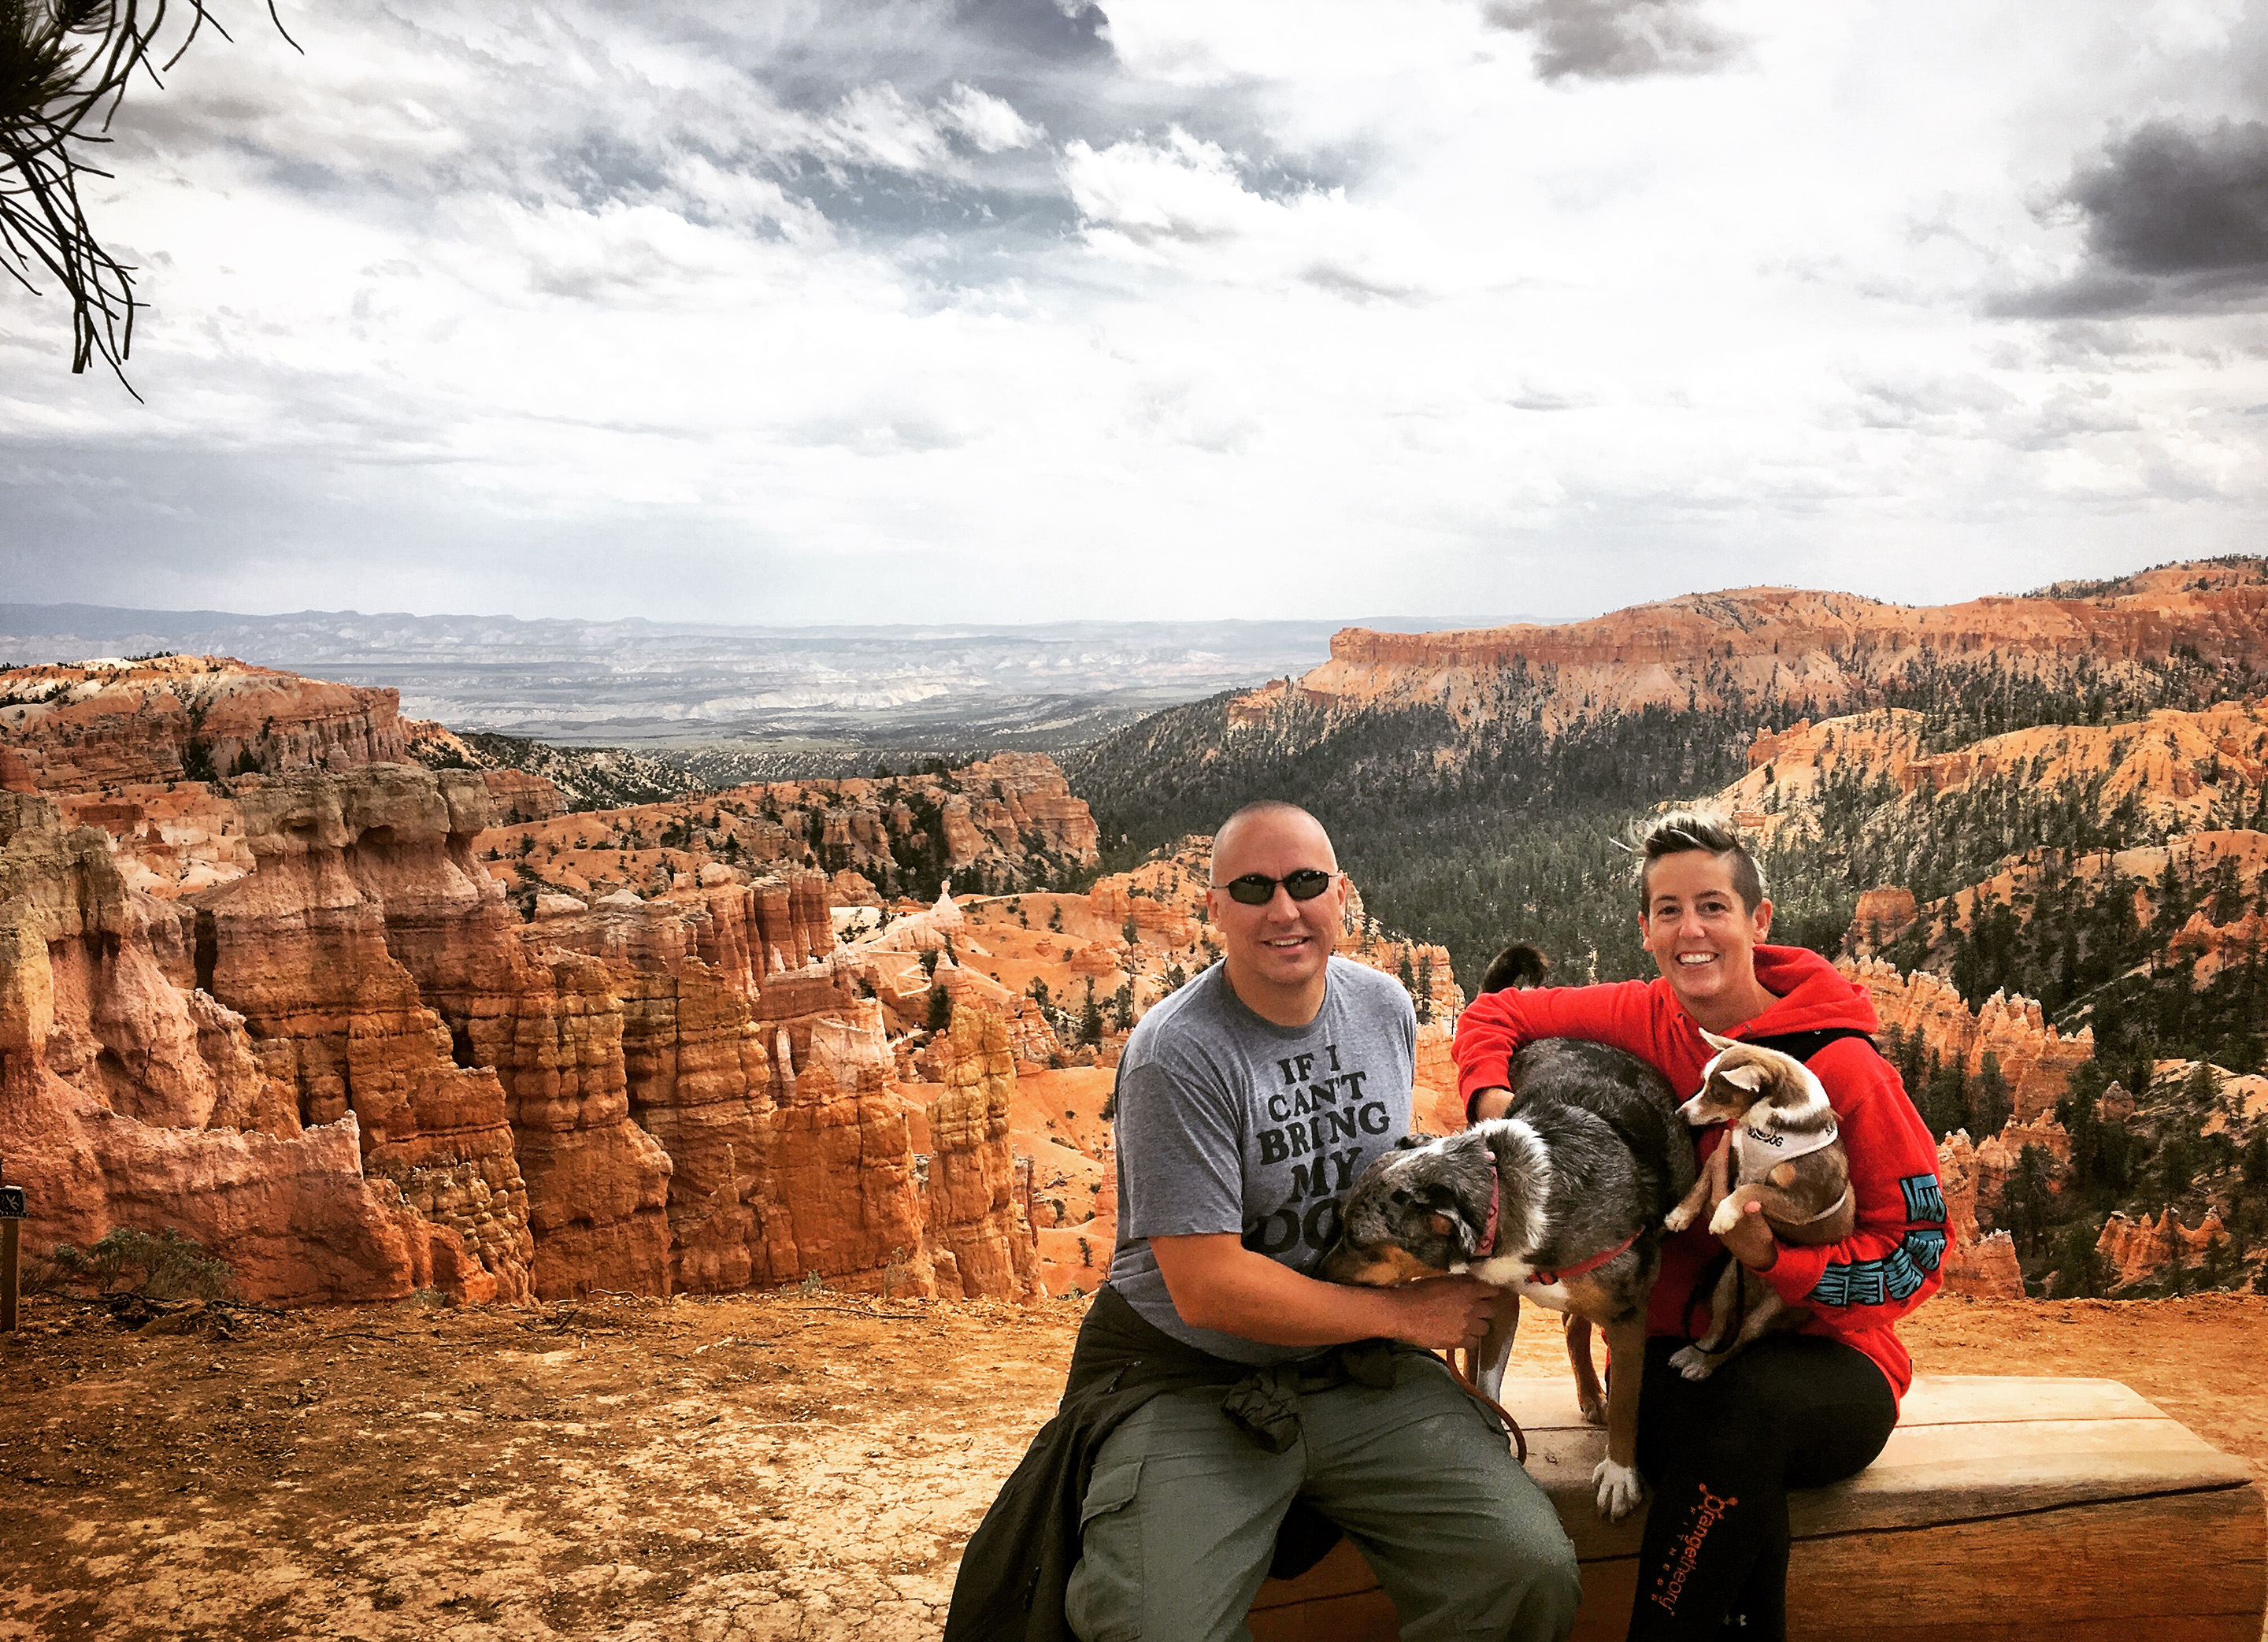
[12, 1207]
[8, 1240]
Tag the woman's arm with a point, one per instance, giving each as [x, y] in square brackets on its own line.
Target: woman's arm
[1496, 1025]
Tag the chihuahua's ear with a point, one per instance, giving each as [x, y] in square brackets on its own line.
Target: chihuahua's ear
[1715, 1043]
[1750, 1078]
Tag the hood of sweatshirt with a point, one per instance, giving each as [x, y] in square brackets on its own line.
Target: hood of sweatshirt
[1814, 996]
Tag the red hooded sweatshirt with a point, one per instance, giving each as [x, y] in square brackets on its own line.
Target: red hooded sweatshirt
[1858, 1288]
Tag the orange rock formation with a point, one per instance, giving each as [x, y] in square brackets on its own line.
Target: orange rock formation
[2182, 771]
[1000, 823]
[642, 1095]
[1981, 1266]
[978, 1218]
[2036, 1059]
[109, 723]
[1997, 1157]
[130, 1095]
[1826, 649]
[2137, 1249]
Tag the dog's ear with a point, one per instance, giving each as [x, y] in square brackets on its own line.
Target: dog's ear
[1412, 1141]
[1715, 1043]
[1750, 1078]
[1448, 1220]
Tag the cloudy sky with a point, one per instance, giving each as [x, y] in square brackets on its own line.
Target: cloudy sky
[1030, 309]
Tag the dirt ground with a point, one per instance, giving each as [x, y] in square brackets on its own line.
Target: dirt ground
[755, 1467]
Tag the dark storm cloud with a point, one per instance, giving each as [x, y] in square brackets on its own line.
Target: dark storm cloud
[2168, 201]
[1042, 29]
[1615, 39]
[2177, 221]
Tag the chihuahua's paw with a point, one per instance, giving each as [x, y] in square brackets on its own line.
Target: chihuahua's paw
[1678, 1218]
[1620, 1489]
[1692, 1362]
[1727, 1216]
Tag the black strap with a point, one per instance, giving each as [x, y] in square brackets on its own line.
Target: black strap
[1703, 1292]
[1804, 1045]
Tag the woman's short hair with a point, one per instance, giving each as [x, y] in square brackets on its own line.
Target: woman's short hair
[1682, 830]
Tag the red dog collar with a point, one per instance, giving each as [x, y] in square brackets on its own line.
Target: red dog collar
[1547, 1279]
[1544, 1279]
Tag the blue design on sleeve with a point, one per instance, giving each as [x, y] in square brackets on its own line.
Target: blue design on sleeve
[1924, 1201]
[1896, 1275]
[1926, 1246]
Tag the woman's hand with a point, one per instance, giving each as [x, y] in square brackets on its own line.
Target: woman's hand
[1750, 1238]
[1489, 1103]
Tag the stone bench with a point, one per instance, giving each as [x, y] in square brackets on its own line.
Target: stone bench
[2003, 1509]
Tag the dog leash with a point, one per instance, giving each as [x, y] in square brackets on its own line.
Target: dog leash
[1519, 1437]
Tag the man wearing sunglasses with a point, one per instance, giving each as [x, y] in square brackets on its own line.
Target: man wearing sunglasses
[1246, 1103]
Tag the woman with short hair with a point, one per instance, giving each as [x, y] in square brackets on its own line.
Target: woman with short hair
[1793, 1409]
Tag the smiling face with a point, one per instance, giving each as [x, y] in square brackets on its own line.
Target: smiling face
[1277, 952]
[1704, 938]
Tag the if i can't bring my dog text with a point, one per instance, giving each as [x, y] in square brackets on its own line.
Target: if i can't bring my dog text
[1313, 1114]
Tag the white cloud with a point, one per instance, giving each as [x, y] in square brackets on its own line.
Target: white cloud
[1181, 188]
[990, 122]
[876, 125]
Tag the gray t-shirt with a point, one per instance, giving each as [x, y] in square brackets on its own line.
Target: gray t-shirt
[1229, 1122]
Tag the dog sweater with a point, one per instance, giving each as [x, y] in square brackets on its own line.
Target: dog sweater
[1857, 1288]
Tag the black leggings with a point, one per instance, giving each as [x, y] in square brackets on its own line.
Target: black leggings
[1791, 1411]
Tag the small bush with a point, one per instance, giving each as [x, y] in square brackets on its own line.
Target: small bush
[41, 1275]
[168, 1266]
[812, 1284]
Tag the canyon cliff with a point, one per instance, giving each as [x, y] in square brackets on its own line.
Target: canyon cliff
[106, 723]
[2033, 1057]
[1828, 651]
[289, 1012]
[1005, 823]
[131, 1096]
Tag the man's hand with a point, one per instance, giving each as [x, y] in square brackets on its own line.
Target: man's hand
[1442, 1312]
[1489, 1103]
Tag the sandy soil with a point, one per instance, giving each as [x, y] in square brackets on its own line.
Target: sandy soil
[755, 1467]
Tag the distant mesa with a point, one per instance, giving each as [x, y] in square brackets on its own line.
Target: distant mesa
[1826, 651]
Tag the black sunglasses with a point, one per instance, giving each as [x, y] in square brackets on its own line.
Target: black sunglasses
[1254, 890]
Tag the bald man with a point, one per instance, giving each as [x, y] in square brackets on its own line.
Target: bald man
[1247, 1102]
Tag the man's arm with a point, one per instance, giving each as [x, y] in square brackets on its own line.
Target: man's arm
[1217, 1282]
